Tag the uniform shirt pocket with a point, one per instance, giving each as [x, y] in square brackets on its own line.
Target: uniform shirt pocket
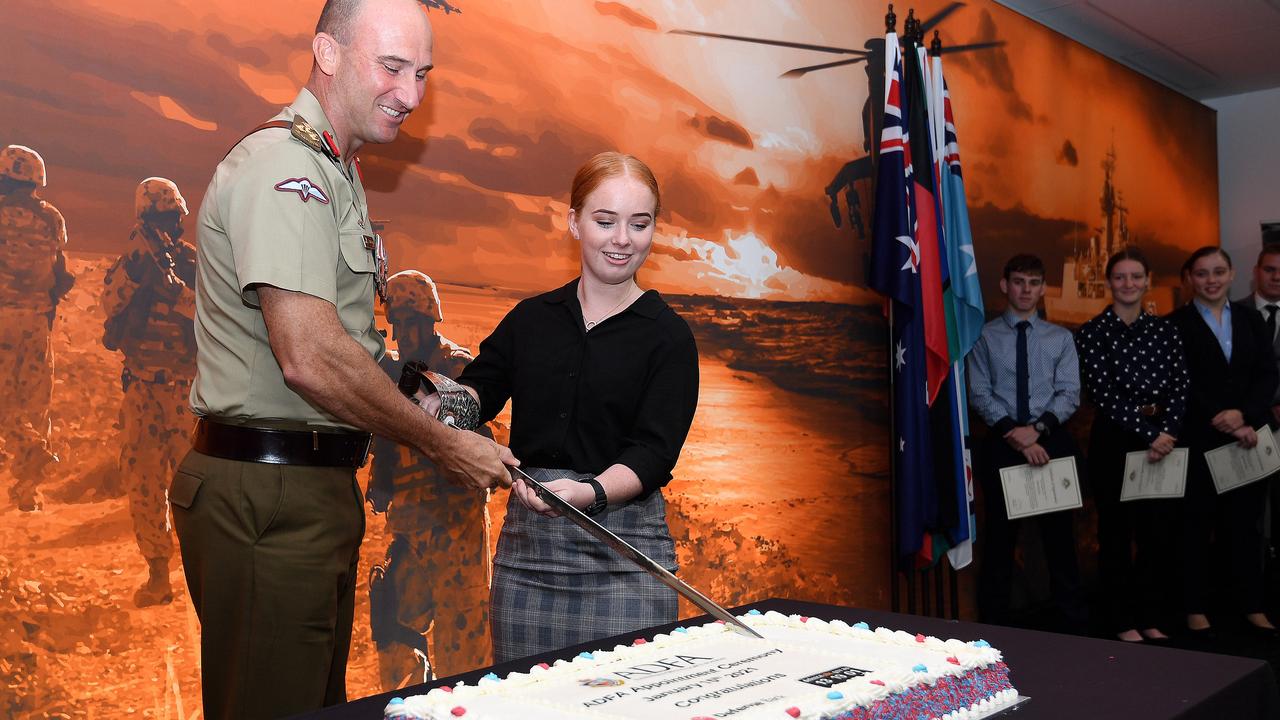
[356, 251]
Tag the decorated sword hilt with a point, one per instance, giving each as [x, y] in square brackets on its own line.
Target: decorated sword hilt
[457, 407]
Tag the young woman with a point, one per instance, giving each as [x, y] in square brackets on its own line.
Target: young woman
[1233, 377]
[1132, 366]
[603, 380]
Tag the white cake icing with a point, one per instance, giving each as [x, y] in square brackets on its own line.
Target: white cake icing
[804, 668]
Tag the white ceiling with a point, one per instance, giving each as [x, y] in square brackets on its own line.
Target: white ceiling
[1201, 48]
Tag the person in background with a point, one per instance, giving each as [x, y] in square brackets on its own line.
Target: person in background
[33, 281]
[434, 581]
[150, 302]
[1024, 382]
[1266, 297]
[603, 381]
[1233, 382]
[1133, 369]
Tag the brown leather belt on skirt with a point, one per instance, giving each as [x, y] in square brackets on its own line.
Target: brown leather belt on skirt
[281, 447]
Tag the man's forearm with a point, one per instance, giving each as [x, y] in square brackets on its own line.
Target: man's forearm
[345, 382]
[328, 368]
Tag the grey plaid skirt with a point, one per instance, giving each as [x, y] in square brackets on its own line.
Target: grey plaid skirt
[555, 586]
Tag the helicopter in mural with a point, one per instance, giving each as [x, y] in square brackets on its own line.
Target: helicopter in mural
[441, 5]
[872, 55]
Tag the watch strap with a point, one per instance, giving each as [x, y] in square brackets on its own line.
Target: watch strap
[601, 502]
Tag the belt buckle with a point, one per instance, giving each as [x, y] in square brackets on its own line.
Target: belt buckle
[1149, 410]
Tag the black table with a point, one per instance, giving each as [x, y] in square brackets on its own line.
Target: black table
[1065, 676]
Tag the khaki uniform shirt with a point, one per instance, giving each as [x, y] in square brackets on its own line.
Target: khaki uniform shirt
[277, 213]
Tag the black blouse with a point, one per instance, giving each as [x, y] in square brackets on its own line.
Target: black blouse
[1125, 367]
[624, 393]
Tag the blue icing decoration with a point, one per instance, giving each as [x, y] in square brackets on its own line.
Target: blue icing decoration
[753, 611]
[920, 668]
[835, 695]
[862, 626]
[586, 656]
[489, 676]
[680, 630]
[396, 701]
[981, 643]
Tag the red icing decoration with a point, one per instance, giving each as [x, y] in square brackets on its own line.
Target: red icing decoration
[804, 619]
[544, 666]
[638, 641]
[719, 622]
[446, 688]
[919, 638]
[793, 711]
[953, 661]
[878, 682]
[459, 711]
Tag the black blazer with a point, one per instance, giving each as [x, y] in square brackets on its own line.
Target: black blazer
[1246, 384]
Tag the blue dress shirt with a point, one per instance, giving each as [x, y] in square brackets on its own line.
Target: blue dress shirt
[1222, 330]
[1052, 364]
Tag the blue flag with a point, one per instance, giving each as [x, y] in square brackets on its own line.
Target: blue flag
[969, 312]
[895, 272]
[966, 315]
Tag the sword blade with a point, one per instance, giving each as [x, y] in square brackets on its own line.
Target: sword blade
[626, 550]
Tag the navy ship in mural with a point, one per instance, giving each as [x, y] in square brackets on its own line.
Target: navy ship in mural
[1084, 291]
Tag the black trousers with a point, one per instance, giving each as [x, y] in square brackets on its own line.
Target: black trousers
[1137, 540]
[999, 538]
[1222, 530]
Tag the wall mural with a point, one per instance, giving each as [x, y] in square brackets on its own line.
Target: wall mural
[782, 489]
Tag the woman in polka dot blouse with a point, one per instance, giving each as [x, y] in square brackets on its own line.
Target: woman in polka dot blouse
[1132, 366]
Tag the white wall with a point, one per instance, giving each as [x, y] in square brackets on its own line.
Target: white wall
[1248, 174]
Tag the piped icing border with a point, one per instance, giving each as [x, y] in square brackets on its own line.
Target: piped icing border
[970, 680]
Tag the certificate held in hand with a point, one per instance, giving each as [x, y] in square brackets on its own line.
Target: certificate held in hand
[1144, 480]
[1031, 490]
[1233, 466]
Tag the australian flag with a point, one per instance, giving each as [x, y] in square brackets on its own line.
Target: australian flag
[895, 272]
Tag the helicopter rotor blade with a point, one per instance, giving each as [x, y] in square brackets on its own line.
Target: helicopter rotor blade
[939, 16]
[800, 72]
[775, 43]
[972, 46]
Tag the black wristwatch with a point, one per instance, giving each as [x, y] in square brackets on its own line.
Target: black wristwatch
[1040, 427]
[601, 502]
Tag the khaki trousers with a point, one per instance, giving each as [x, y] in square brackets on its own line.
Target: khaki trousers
[270, 555]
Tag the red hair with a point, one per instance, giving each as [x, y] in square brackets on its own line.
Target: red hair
[608, 165]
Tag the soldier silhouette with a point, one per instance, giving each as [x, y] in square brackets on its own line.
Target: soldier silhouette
[434, 582]
[33, 280]
[150, 306]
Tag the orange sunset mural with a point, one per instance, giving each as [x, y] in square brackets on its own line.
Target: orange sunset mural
[783, 486]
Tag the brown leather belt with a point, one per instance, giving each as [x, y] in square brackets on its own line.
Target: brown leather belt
[281, 447]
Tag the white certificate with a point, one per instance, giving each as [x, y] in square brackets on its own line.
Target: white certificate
[1232, 466]
[1031, 490]
[1146, 480]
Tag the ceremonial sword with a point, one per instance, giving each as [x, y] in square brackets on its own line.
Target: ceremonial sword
[443, 385]
[626, 550]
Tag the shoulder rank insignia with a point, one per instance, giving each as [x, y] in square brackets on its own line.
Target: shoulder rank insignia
[309, 136]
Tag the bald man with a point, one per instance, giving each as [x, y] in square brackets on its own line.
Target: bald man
[287, 390]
